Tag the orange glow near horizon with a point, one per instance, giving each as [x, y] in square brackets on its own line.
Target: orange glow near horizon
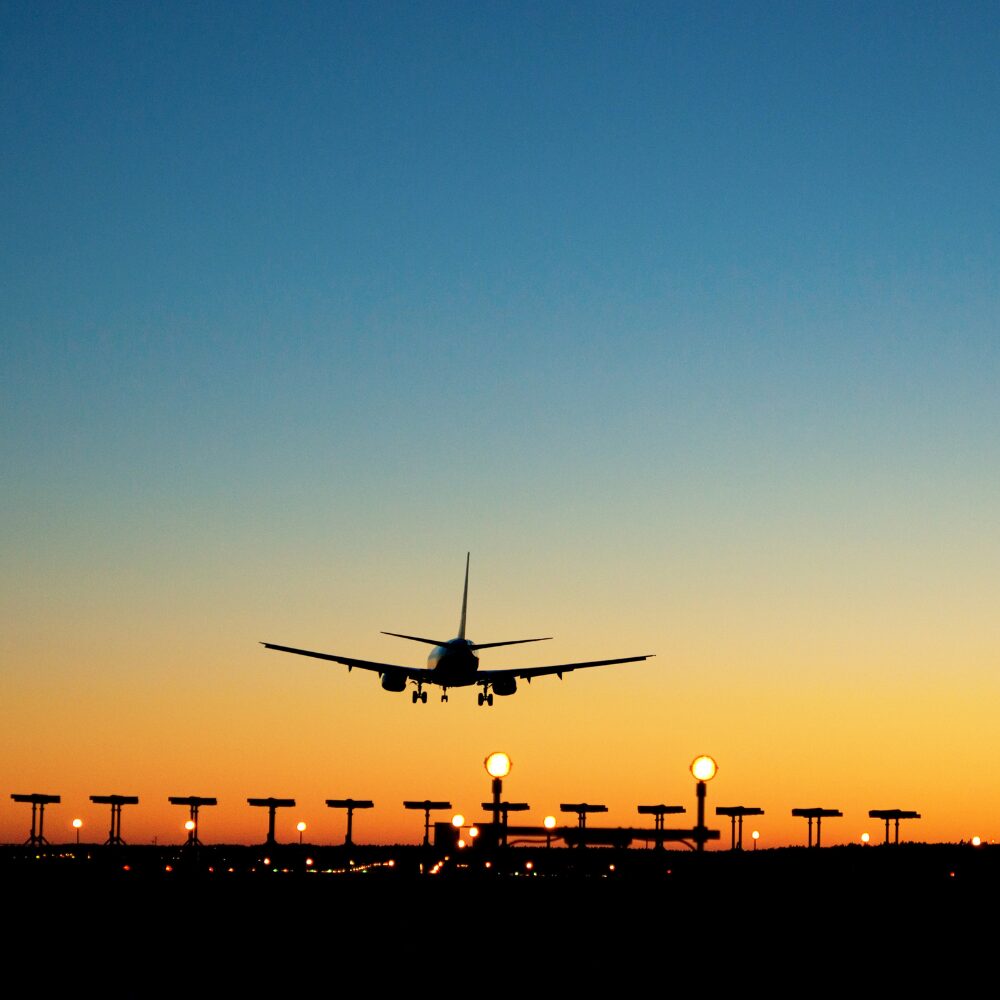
[264, 725]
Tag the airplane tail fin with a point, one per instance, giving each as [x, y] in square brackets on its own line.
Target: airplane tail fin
[465, 599]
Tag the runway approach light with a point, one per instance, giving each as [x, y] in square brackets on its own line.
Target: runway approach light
[497, 765]
[458, 821]
[865, 838]
[704, 768]
[189, 825]
[549, 822]
[976, 841]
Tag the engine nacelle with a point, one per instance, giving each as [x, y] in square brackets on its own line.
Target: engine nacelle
[394, 682]
[504, 686]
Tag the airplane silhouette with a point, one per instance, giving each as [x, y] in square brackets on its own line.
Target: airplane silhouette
[454, 664]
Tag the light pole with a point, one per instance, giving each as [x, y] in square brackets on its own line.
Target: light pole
[77, 823]
[550, 824]
[350, 805]
[704, 769]
[497, 766]
[194, 803]
[301, 827]
[756, 837]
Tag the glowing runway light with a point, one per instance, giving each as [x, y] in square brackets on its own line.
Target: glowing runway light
[458, 821]
[497, 765]
[704, 768]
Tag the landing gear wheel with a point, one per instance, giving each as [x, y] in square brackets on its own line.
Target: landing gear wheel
[482, 698]
[489, 700]
[444, 697]
[415, 696]
[423, 697]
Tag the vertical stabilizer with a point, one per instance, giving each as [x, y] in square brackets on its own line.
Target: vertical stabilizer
[465, 599]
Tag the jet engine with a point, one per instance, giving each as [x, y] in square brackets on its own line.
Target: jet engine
[394, 682]
[504, 686]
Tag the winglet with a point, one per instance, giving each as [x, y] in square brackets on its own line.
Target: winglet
[465, 599]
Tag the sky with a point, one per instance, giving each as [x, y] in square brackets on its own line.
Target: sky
[682, 318]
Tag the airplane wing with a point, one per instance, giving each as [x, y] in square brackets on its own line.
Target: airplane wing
[526, 673]
[417, 673]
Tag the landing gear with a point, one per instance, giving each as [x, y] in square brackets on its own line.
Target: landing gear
[420, 696]
[485, 699]
[444, 696]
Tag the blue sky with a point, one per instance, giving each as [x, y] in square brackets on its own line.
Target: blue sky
[693, 303]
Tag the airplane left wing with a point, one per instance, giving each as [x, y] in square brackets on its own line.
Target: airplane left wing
[393, 669]
[526, 673]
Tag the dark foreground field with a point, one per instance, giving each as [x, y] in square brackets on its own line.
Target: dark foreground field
[157, 921]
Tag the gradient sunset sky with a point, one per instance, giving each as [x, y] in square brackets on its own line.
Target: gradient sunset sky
[683, 318]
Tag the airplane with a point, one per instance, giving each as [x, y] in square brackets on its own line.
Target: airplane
[454, 663]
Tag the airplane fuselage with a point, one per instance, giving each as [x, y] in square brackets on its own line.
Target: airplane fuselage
[454, 664]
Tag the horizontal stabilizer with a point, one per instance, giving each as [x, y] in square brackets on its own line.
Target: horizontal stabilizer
[417, 638]
[509, 642]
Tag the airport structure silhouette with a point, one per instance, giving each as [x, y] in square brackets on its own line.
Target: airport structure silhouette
[493, 847]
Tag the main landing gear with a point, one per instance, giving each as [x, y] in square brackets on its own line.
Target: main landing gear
[486, 698]
[420, 696]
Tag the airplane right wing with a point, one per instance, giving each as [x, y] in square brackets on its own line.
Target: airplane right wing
[526, 673]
